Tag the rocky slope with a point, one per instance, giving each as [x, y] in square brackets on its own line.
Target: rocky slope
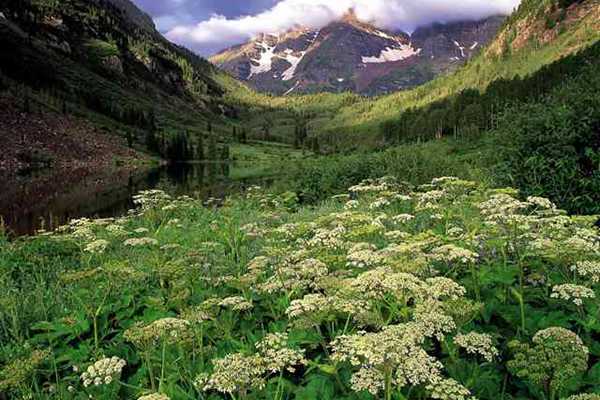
[106, 58]
[349, 55]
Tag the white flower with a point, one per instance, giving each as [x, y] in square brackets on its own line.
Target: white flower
[477, 343]
[97, 247]
[141, 242]
[575, 293]
[103, 371]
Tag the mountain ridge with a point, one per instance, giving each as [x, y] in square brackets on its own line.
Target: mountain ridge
[350, 55]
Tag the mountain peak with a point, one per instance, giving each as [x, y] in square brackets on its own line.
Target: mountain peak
[350, 55]
[350, 16]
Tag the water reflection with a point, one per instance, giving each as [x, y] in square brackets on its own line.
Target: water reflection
[48, 200]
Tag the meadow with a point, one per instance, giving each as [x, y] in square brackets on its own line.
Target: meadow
[447, 290]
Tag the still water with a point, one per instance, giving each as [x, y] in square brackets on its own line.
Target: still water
[48, 200]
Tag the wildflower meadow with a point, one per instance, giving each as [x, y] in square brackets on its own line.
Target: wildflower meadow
[450, 290]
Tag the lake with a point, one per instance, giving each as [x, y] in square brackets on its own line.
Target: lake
[47, 200]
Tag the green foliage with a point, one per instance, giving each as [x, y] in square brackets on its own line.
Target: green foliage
[389, 290]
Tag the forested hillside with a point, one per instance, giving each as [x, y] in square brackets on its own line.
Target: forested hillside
[538, 34]
[104, 61]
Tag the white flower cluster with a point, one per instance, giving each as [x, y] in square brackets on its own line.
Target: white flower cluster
[170, 330]
[237, 373]
[541, 202]
[154, 396]
[292, 275]
[236, 303]
[374, 185]
[313, 308]
[398, 347]
[379, 203]
[584, 396]
[363, 255]
[149, 199]
[561, 335]
[501, 205]
[379, 282]
[574, 293]
[402, 218]
[448, 389]
[328, 238]
[276, 354]
[97, 247]
[477, 343]
[453, 254]
[103, 371]
[589, 270]
[141, 242]
[397, 235]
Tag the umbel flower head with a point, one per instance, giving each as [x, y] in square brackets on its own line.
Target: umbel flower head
[141, 242]
[453, 254]
[16, 373]
[556, 356]
[313, 309]
[276, 354]
[589, 270]
[154, 396]
[238, 373]
[170, 330]
[233, 374]
[236, 303]
[448, 389]
[295, 276]
[584, 396]
[573, 293]
[103, 371]
[97, 246]
[397, 348]
[477, 343]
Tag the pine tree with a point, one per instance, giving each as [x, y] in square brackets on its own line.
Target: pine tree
[225, 155]
[129, 139]
[316, 148]
[212, 147]
[200, 148]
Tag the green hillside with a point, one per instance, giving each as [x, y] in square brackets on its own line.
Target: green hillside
[107, 64]
[536, 35]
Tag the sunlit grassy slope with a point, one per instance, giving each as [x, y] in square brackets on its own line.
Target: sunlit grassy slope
[537, 34]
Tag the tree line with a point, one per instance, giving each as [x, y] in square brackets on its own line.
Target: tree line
[471, 112]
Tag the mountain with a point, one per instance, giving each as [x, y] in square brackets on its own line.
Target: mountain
[349, 55]
[106, 61]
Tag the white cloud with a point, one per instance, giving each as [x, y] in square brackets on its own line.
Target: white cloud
[404, 15]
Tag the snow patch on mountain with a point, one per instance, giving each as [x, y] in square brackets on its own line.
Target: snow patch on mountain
[265, 62]
[383, 35]
[390, 54]
[292, 89]
[461, 48]
[288, 74]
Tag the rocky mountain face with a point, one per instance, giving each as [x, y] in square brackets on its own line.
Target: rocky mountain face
[349, 55]
[106, 39]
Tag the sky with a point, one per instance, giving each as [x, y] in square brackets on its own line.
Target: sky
[207, 26]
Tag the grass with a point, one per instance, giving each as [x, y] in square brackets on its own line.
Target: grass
[266, 299]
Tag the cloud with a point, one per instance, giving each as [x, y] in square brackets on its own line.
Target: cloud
[219, 31]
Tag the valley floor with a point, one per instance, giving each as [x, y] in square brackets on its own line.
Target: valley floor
[450, 290]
